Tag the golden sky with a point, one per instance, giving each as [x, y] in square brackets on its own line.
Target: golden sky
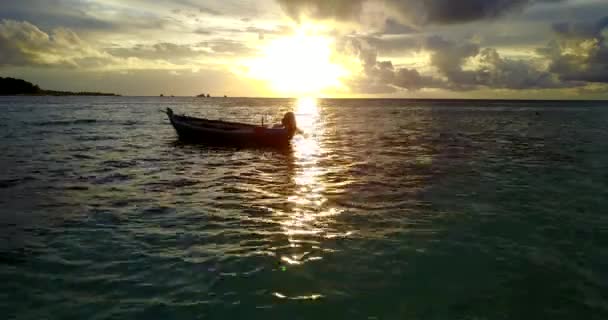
[342, 48]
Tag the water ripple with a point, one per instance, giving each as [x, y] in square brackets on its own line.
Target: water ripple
[381, 209]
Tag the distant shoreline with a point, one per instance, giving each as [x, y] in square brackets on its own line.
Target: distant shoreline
[62, 94]
[19, 87]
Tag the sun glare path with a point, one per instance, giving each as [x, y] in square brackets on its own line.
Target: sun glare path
[308, 221]
[298, 65]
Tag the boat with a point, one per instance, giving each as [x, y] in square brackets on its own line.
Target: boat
[218, 132]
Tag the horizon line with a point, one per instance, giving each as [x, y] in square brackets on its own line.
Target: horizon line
[357, 98]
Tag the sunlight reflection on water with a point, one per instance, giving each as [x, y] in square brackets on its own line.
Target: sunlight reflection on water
[306, 218]
[309, 220]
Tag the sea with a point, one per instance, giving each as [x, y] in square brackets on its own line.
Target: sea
[380, 209]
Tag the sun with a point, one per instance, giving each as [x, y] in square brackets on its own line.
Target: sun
[301, 64]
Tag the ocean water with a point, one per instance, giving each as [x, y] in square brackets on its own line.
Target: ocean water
[383, 209]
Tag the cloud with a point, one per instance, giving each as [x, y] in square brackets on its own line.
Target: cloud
[182, 55]
[175, 53]
[487, 68]
[53, 13]
[392, 27]
[499, 73]
[393, 45]
[79, 15]
[580, 53]
[262, 32]
[226, 47]
[413, 11]
[581, 30]
[322, 9]
[463, 11]
[459, 66]
[200, 10]
[381, 76]
[449, 56]
[203, 31]
[449, 11]
[209, 11]
[22, 43]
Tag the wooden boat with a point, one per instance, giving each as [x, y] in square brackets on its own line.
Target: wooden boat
[219, 132]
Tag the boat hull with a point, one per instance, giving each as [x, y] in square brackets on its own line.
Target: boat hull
[221, 133]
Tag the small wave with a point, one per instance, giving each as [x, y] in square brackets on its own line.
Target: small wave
[67, 122]
[171, 184]
[158, 210]
[82, 156]
[96, 137]
[119, 163]
[116, 177]
[13, 257]
[77, 188]
[8, 183]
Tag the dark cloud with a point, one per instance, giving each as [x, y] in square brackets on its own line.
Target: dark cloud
[490, 69]
[449, 56]
[498, 72]
[322, 9]
[53, 13]
[411, 79]
[580, 53]
[387, 46]
[581, 30]
[550, 11]
[381, 76]
[416, 11]
[462, 11]
[75, 15]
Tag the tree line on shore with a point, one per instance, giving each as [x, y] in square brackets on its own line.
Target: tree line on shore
[12, 87]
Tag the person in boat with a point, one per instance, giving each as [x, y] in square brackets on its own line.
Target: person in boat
[289, 122]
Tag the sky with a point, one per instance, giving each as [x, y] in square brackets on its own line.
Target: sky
[508, 49]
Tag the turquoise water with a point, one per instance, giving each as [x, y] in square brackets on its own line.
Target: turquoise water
[383, 209]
